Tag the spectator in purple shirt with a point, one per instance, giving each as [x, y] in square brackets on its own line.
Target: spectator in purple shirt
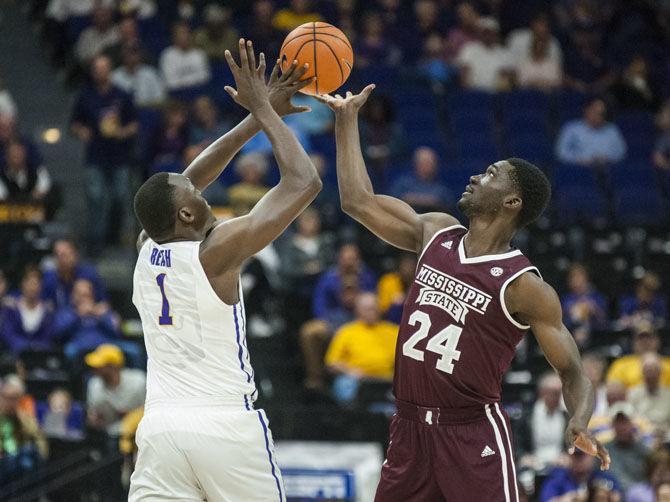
[327, 290]
[584, 307]
[85, 324]
[57, 284]
[647, 303]
[105, 120]
[28, 324]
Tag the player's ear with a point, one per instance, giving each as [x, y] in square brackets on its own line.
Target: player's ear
[512, 202]
[185, 215]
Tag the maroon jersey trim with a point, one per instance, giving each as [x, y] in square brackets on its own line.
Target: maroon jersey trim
[509, 449]
[484, 258]
[502, 295]
[442, 230]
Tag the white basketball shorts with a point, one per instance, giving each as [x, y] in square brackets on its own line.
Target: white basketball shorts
[205, 453]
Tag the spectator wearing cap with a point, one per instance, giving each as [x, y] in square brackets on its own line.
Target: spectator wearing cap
[628, 369]
[486, 64]
[251, 168]
[626, 450]
[102, 34]
[138, 79]
[591, 141]
[363, 349]
[105, 120]
[217, 33]
[584, 307]
[571, 482]
[29, 324]
[183, 66]
[114, 391]
[648, 303]
[601, 426]
[547, 422]
[422, 189]
[650, 399]
[57, 282]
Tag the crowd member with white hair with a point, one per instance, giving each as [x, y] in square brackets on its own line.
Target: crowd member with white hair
[650, 399]
[548, 421]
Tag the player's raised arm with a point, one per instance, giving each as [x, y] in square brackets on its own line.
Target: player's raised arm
[389, 218]
[213, 160]
[232, 242]
[536, 303]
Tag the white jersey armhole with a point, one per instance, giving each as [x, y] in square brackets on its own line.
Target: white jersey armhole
[502, 295]
[210, 289]
[439, 232]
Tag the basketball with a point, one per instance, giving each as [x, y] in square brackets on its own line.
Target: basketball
[327, 51]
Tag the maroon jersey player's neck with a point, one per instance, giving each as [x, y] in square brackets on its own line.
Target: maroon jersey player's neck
[488, 237]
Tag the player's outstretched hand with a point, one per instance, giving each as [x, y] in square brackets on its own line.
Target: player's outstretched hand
[252, 90]
[579, 437]
[350, 103]
[283, 87]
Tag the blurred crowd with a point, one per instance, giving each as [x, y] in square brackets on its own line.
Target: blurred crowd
[327, 296]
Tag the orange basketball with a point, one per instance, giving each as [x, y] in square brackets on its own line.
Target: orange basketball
[327, 51]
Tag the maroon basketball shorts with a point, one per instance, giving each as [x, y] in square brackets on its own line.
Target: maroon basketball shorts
[437, 454]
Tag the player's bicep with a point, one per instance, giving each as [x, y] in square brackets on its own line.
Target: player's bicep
[537, 304]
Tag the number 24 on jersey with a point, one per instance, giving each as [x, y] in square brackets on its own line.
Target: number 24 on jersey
[443, 343]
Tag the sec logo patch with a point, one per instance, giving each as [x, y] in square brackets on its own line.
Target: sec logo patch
[496, 271]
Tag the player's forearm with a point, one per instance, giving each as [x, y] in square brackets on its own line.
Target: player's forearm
[213, 160]
[578, 394]
[295, 166]
[352, 176]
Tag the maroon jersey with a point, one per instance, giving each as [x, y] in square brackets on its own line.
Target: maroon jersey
[456, 338]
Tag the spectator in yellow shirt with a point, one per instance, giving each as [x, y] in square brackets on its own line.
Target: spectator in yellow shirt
[628, 369]
[362, 349]
[298, 13]
[392, 288]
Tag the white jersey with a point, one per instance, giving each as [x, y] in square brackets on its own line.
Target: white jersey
[196, 343]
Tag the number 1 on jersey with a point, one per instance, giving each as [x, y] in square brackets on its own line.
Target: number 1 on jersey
[165, 319]
[443, 343]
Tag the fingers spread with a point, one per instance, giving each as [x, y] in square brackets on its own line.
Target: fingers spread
[368, 89]
[261, 65]
[251, 55]
[289, 72]
[231, 91]
[298, 74]
[303, 83]
[231, 62]
[274, 76]
[244, 57]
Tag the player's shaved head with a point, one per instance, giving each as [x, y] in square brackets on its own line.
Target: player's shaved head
[154, 206]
